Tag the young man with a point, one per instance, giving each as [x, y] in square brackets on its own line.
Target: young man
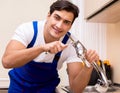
[38, 49]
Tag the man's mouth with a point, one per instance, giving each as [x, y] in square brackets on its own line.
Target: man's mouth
[57, 31]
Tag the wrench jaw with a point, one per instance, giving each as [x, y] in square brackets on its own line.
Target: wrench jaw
[80, 51]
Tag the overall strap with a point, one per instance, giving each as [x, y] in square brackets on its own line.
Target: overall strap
[35, 34]
[57, 56]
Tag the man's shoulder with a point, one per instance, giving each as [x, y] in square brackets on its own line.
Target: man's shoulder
[29, 23]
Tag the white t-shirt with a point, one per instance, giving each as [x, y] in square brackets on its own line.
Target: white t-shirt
[24, 34]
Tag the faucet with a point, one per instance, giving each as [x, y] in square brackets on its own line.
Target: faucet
[102, 84]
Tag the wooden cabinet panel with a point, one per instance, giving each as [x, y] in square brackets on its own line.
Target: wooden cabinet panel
[107, 13]
[91, 6]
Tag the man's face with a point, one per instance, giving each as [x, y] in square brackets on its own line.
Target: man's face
[58, 23]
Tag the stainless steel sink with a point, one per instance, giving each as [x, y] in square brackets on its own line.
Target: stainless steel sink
[91, 89]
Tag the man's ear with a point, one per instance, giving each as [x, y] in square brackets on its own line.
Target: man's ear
[48, 15]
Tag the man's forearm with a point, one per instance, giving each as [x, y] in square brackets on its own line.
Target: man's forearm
[18, 58]
[81, 80]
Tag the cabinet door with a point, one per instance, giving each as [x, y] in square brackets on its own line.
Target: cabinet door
[91, 6]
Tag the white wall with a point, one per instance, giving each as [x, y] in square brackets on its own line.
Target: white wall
[113, 49]
[12, 14]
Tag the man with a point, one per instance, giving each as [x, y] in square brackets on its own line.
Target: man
[38, 49]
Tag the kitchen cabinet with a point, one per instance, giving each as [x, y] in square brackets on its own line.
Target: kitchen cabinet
[103, 11]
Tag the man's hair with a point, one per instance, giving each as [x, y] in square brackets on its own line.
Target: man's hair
[64, 5]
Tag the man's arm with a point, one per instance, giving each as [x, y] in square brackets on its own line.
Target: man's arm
[16, 54]
[79, 75]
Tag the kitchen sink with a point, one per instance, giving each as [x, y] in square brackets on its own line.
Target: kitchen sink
[91, 89]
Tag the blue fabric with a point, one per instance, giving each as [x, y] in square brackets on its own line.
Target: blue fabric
[57, 56]
[35, 34]
[35, 77]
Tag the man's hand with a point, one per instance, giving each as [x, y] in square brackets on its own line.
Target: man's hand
[92, 56]
[54, 47]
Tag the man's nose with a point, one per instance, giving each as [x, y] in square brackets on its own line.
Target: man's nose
[59, 24]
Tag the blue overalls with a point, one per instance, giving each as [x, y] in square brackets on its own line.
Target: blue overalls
[35, 77]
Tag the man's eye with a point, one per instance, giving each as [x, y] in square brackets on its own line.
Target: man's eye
[57, 18]
[67, 22]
